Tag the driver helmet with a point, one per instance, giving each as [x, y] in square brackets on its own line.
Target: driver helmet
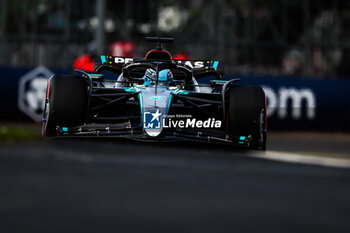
[149, 77]
[165, 76]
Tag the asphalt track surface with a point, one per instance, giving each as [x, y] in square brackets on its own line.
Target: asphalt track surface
[119, 185]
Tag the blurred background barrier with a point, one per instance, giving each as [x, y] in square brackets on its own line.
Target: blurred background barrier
[299, 103]
[22, 92]
[279, 37]
[294, 103]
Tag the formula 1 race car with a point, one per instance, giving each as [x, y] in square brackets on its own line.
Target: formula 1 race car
[156, 98]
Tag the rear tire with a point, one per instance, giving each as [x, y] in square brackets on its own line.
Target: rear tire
[247, 114]
[66, 104]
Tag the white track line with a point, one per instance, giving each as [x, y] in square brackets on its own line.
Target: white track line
[303, 159]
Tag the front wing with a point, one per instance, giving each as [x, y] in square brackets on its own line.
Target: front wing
[134, 131]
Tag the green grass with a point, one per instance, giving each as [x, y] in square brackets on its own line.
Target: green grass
[14, 134]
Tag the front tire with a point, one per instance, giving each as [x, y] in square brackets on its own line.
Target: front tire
[247, 114]
[66, 103]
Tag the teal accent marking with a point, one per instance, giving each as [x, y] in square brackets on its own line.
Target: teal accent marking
[132, 89]
[181, 92]
[65, 133]
[64, 128]
[98, 75]
[103, 59]
[155, 97]
[219, 81]
[242, 138]
[240, 142]
[169, 103]
[215, 65]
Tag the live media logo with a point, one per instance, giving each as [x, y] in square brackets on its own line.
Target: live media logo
[152, 120]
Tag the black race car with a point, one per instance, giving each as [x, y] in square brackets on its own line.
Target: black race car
[156, 98]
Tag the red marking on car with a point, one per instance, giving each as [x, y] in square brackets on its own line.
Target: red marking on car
[48, 89]
[158, 54]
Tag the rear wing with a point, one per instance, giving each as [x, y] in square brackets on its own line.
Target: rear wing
[112, 60]
[195, 65]
[200, 64]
